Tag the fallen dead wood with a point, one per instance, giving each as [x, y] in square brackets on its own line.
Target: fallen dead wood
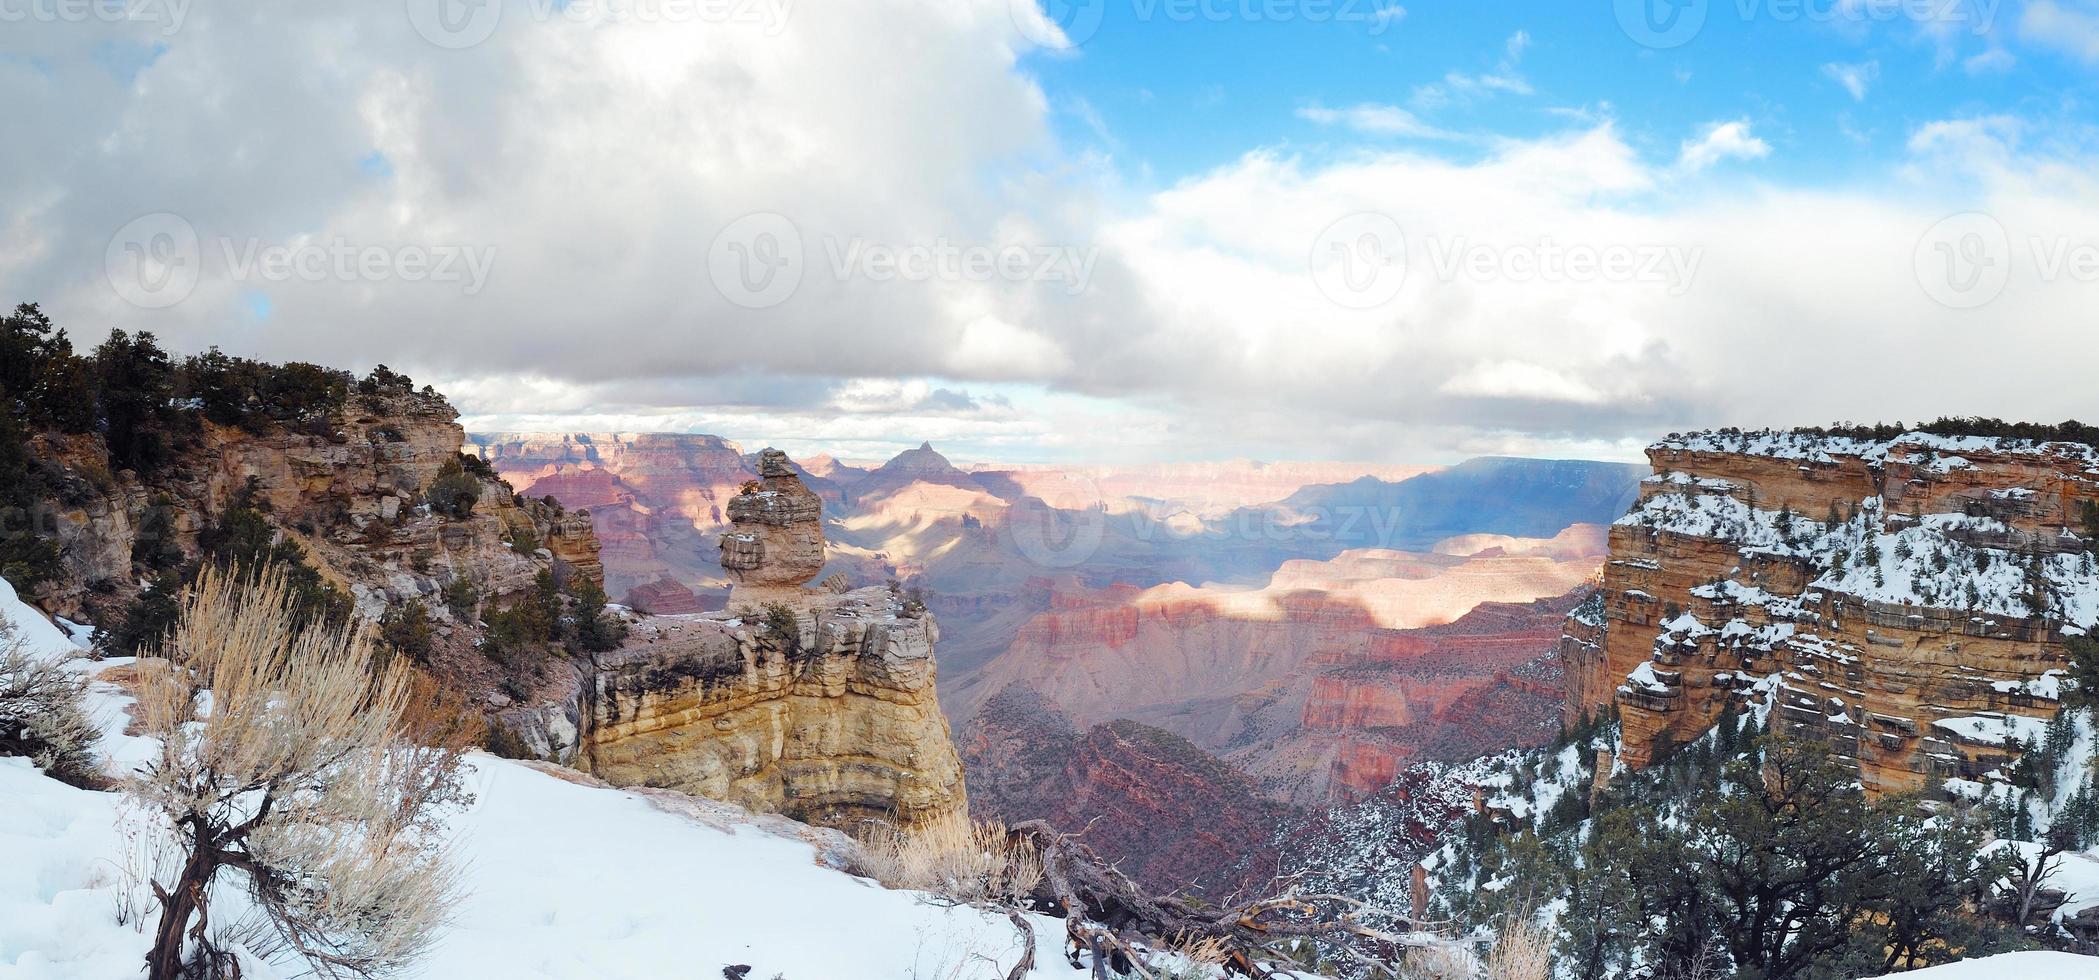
[1122, 926]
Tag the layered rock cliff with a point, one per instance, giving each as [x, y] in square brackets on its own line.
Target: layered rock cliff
[349, 488]
[1907, 599]
[817, 703]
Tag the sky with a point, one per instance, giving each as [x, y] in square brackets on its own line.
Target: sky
[1104, 230]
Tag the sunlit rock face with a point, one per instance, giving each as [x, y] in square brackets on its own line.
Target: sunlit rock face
[830, 719]
[775, 542]
[1908, 599]
[349, 490]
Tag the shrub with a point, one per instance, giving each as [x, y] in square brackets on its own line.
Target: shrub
[297, 785]
[955, 858]
[462, 598]
[41, 713]
[406, 630]
[454, 491]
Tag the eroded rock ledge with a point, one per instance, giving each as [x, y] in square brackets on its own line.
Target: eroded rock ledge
[1906, 600]
[816, 703]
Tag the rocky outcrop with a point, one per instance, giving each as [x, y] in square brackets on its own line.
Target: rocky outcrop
[1168, 814]
[775, 543]
[818, 703]
[831, 718]
[349, 489]
[658, 499]
[663, 597]
[1906, 599]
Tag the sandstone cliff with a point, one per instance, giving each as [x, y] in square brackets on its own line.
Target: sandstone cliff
[817, 703]
[1907, 599]
[348, 488]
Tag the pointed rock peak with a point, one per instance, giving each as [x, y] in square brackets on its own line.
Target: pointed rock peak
[925, 460]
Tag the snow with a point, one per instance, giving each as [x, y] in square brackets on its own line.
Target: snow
[41, 635]
[1993, 729]
[562, 880]
[2031, 965]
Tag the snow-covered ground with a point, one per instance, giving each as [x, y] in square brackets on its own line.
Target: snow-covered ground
[2040, 965]
[562, 879]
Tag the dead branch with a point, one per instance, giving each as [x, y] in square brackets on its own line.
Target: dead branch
[1121, 925]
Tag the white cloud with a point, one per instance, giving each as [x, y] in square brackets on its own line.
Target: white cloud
[1373, 119]
[1517, 44]
[600, 161]
[1521, 381]
[2072, 27]
[1855, 78]
[1722, 141]
[1991, 60]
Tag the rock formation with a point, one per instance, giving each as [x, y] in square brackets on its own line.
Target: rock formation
[350, 492]
[663, 597]
[775, 544]
[828, 716]
[818, 703]
[1908, 599]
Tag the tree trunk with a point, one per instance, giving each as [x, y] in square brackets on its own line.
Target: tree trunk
[164, 962]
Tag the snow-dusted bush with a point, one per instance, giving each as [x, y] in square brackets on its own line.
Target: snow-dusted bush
[956, 858]
[41, 713]
[284, 767]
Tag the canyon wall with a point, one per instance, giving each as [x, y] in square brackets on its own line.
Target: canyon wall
[1907, 599]
[818, 703]
[830, 719]
[348, 489]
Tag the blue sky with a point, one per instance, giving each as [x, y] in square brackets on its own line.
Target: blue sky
[1169, 96]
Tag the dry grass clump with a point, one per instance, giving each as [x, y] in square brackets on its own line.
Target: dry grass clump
[1523, 951]
[955, 858]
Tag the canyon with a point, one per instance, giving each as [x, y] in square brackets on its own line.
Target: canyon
[1907, 599]
[1214, 651]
